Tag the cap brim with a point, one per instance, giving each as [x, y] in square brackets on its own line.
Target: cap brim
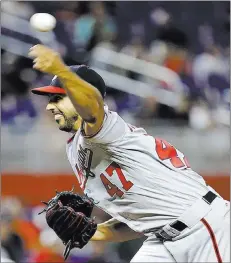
[48, 90]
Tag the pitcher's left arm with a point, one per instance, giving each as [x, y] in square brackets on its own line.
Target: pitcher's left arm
[114, 231]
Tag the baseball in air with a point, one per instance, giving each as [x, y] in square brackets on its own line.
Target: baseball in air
[43, 22]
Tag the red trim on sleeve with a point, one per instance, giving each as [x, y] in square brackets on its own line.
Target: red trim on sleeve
[71, 139]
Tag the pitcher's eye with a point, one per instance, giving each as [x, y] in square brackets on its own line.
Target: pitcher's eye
[55, 98]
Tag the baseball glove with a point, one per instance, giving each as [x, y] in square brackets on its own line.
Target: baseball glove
[68, 214]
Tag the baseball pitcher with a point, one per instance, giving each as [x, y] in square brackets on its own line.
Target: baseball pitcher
[143, 182]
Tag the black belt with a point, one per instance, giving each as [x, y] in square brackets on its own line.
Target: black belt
[180, 226]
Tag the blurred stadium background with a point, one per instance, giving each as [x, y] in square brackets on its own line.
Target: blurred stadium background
[166, 65]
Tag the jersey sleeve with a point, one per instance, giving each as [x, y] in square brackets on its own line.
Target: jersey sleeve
[113, 128]
[113, 221]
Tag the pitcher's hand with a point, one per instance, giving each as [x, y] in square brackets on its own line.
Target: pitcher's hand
[46, 60]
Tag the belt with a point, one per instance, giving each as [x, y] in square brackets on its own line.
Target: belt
[168, 232]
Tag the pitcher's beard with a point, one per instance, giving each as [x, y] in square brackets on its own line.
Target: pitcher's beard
[69, 124]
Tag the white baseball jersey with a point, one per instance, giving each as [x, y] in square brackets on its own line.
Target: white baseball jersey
[139, 180]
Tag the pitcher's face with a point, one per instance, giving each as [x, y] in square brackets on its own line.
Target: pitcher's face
[64, 112]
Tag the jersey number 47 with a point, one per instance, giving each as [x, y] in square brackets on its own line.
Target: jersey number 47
[164, 150]
[111, 188]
